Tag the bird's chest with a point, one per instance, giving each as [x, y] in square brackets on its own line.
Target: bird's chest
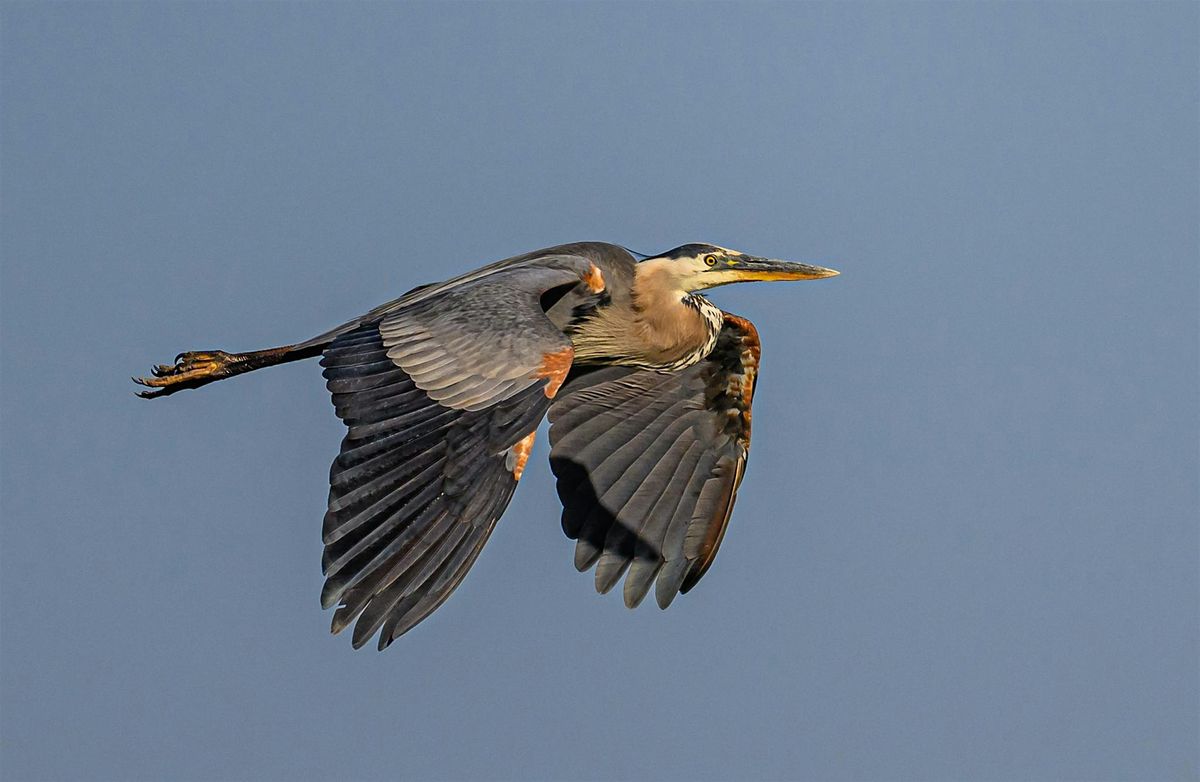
[669, 338]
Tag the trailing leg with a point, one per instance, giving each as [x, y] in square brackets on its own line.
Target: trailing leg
[200, 367]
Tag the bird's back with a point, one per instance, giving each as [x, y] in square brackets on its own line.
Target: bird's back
[615, 263]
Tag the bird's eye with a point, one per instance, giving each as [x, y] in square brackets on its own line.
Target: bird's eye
[710, 260]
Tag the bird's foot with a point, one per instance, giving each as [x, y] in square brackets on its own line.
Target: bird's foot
[190, 370]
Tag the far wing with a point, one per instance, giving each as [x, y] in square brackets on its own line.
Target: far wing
[648, 464]
[441, 401]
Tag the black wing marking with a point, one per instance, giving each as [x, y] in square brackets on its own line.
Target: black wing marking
[648, 464]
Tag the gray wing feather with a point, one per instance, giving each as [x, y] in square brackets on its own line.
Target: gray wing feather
[648, 464]
[648, 559]
[435, 398]
[405, 492]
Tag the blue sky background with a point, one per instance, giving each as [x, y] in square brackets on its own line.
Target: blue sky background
[966, 546]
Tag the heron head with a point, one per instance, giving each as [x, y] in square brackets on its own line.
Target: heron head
[695, 267]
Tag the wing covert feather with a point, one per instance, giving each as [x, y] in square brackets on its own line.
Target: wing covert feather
[477, 345]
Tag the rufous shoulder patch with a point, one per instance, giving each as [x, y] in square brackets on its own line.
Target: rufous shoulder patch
[594, 279]
[741, 386]
[555, 367]
[750, 341]
[520, 454]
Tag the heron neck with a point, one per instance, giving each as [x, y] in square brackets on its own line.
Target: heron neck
[667, 319]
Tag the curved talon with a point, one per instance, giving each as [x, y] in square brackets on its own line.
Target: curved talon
[151, 394]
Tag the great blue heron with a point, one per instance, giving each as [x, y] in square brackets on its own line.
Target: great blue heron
[648, 388]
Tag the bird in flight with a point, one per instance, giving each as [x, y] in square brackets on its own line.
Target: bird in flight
[648, 389]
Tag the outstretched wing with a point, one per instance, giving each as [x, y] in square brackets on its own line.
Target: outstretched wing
[441, 400]
[648, 464]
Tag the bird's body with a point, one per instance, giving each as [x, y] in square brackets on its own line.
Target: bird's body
[647, 384]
